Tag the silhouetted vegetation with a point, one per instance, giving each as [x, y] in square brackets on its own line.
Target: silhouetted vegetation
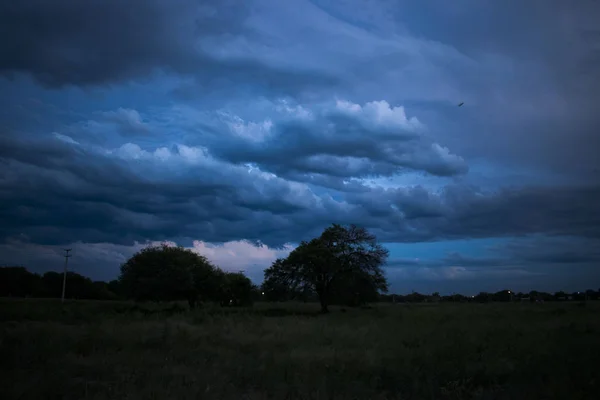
[342, 266]
[236, 289]
[483, 297]
[18, 282]
[156, 273]
[168, 273]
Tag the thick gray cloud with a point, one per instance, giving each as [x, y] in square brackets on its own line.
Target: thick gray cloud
[97, 42]
[539, 106]
[105, 42]
[56, 191]
[552, 250]
[527, 72]
[91, 195]
[467, 212]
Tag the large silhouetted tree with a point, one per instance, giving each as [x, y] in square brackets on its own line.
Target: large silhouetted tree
[343, 260]
[164, 273]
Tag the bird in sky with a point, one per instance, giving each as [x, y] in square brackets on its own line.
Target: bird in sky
[461, 104]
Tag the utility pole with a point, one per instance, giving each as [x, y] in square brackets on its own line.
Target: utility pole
[67, 255]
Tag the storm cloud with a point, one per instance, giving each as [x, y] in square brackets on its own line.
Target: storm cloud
[107, 42]
[129, 193]
[214, 123]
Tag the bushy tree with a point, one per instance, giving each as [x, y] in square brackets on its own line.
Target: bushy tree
[415, 297]
[357, 289]
[166, 273]
[236, 290]
[18, 282]
[114, 287]
[503, 295]
[483, 297]
[343, 262]
[281, 285]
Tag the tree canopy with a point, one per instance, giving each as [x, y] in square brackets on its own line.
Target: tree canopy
[234, 289]
[19, 282]
[342, 265]
[167, 273]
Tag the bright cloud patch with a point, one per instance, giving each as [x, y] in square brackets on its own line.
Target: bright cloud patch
[379, 113]
[341, 140]
[241, 255]
[91, 258]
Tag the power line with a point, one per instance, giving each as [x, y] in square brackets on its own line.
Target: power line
[67, 255]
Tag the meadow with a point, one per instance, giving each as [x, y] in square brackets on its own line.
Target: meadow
[119, 350]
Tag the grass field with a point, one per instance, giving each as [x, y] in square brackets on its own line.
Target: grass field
[109, 350]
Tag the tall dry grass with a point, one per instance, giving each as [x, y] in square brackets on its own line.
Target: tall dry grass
[106, 350]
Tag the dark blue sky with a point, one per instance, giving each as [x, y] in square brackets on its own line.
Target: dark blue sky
[216, 124]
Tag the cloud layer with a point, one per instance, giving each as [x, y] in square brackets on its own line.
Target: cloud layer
[128, 194]
[211, 122]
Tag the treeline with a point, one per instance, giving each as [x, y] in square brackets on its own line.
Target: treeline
[156, 273]
[343, 266]
[17, 281]
[485, 297]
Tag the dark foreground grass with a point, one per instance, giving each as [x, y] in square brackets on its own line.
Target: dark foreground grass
[105, 350]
